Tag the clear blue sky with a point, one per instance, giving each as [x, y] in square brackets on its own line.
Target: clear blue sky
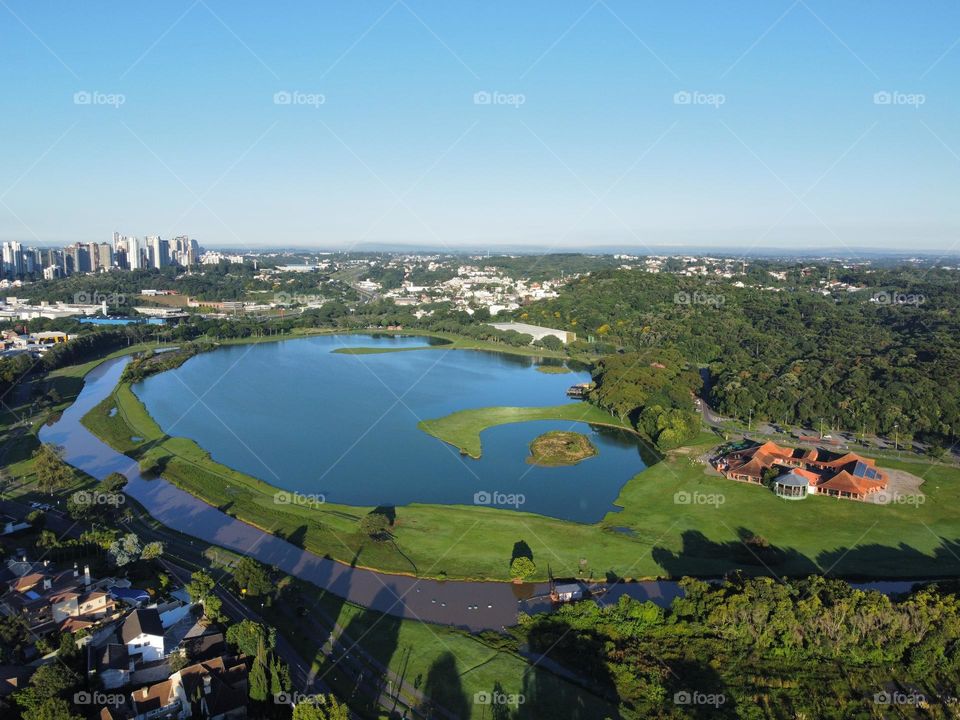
[781, 145]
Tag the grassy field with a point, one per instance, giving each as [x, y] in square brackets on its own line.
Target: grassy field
[462, 429]
[676, 518]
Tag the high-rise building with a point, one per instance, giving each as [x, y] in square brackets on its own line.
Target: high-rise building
[159, 252]
[81, 258]
[105, 256]
[12, 259]
[134, 258]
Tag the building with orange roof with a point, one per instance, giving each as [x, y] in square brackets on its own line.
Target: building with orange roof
[800, 472]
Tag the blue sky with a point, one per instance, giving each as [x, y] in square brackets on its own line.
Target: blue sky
[560, 124]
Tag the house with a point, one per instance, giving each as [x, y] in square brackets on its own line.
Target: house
[566, 592]
[142, 633]
[217, 687]
[205, 646]
[156, 701]
[113, 664]
[92, 605]
[800, 472]
[61, 600]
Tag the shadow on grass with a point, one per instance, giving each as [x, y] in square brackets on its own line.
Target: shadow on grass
[443, 689]
[701, 557]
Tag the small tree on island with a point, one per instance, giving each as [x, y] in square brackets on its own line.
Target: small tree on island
[522, 567]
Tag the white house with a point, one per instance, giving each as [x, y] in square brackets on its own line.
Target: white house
[142, 633]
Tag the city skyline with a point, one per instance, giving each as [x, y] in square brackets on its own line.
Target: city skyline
[124, 252]
[406, 124]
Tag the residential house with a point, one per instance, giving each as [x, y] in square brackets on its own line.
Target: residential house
[113, 664]
[217, 688]
[142, 633]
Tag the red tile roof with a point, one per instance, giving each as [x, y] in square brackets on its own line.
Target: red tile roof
[845, 482]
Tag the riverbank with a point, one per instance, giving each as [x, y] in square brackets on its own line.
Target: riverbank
[675, 520]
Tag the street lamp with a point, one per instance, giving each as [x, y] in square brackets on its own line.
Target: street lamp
[896, 437]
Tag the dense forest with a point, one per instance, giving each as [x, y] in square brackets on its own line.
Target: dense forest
[654, 389]
[884, 356]
[760, 648]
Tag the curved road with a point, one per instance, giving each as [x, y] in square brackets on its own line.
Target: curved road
[446, 603]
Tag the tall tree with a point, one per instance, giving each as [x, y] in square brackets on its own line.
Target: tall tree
[52, 472]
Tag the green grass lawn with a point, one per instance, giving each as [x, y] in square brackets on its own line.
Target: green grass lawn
[462, 429]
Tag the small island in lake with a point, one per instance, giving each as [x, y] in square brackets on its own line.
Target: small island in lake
[560, 447]
[554, 369]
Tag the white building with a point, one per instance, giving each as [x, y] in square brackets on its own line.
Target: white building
[134, 259]
[538, 332]
[142, 633]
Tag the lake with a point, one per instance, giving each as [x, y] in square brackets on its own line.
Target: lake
[306, 419]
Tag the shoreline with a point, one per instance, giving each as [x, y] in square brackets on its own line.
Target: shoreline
[585, 538]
